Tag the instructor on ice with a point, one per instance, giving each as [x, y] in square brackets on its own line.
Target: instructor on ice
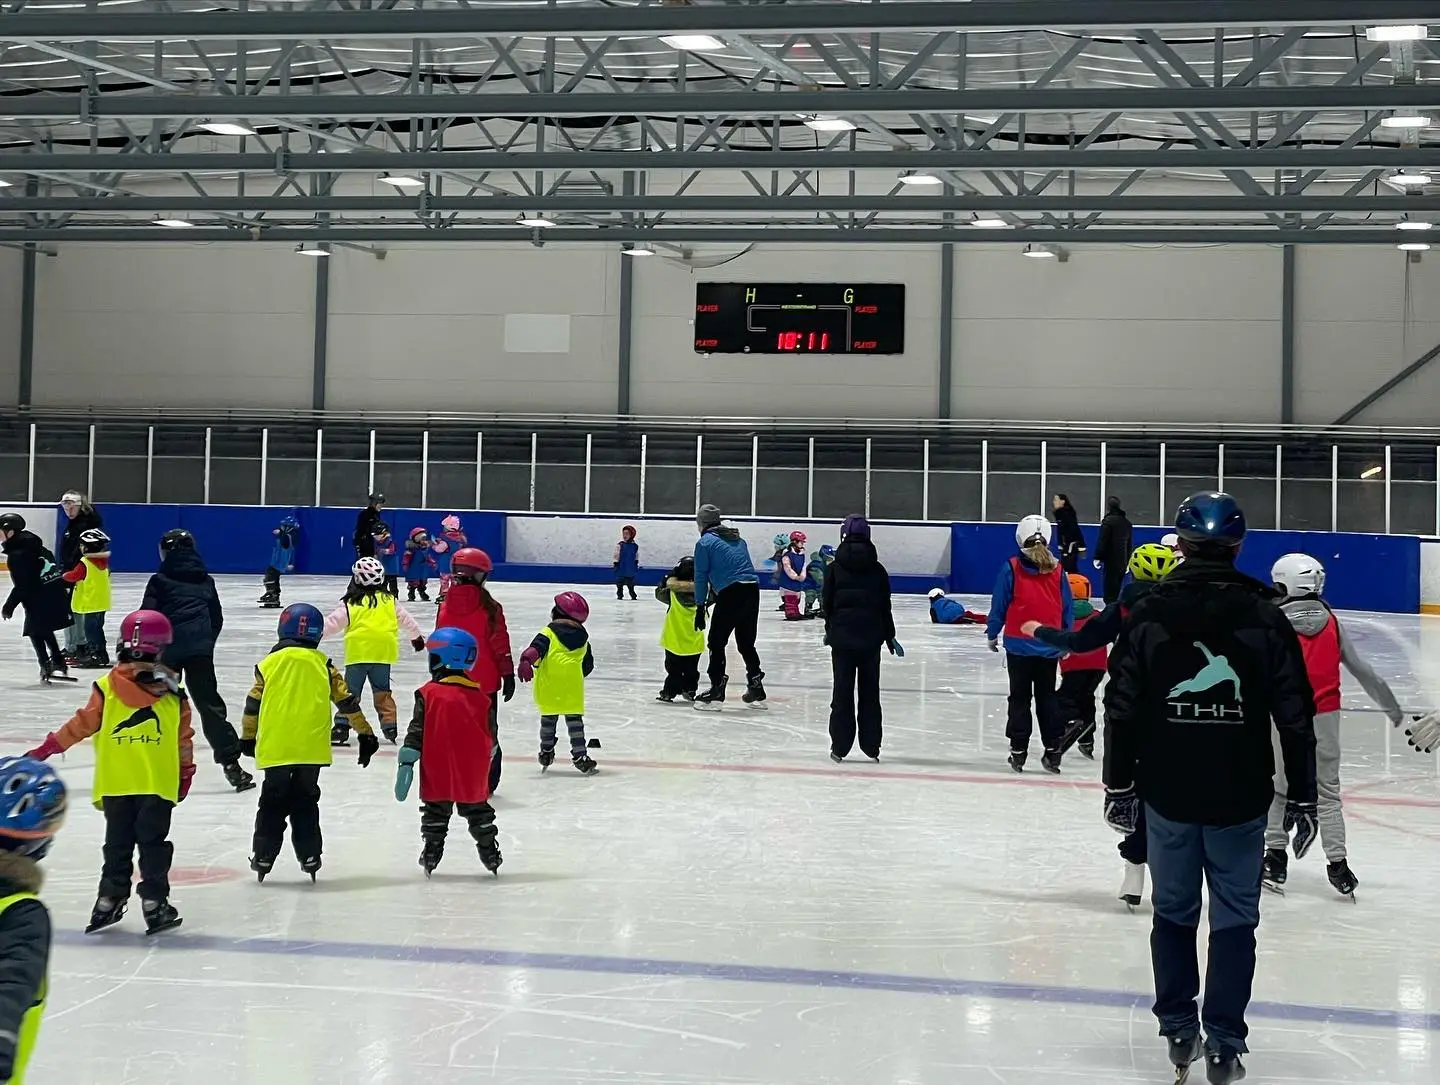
[1210, 660]
[723, 569]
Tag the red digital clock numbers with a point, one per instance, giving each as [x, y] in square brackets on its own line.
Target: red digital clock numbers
[797, 341]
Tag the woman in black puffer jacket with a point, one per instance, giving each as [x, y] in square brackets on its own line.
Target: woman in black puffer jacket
[855, 604]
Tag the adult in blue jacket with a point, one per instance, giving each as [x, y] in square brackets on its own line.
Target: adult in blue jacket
[724, 571]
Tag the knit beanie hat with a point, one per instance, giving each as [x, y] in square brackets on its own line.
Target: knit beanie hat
[707, 517]
[855, 525]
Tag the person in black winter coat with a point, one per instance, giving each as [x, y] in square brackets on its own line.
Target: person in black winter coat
[1072, 539]
[855, 603]
[184, 592]
[1113, 548]
[81, 517]
[365, 525]
[38, 587]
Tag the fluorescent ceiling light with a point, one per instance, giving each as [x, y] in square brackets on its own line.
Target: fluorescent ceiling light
[226, 128]
[920, 179]
[990, 222]
[1397, 33]
[1409, 179]
[175, 224]
[538, 221]
[402, 180]
[1405, 120]
[6, 184]
[1414, 246]
[638, 249]
[1371, 471]
[829, 124]
[693, 43]
[310, 248]
[1039, 252]
[1414, 224]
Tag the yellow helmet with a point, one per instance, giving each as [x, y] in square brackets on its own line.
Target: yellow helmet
[1152, 561]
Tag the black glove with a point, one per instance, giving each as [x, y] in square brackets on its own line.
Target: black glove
[1122, 809]
[418, 644]
[507, 687]
[7, 612]
[247, 747]
[368, 745]
[699, 619]
[614, 565]
[1303, 818]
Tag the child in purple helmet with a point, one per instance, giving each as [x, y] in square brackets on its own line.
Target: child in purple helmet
[558, 661]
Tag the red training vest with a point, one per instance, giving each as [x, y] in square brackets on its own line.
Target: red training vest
[455, 756]
[1086, 661]
[1036, 598]
[1322, 664]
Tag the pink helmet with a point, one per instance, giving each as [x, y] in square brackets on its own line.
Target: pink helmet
[572, 604]
[145, 634]
[451, 523]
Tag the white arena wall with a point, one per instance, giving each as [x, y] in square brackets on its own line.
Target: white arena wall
[1430, 576]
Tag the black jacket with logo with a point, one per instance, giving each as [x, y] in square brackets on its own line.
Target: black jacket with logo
[1196, 747]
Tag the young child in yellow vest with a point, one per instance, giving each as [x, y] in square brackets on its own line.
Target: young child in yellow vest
[90, 596]
[373, 620]
[32, 809]
[683, 644]
[558, 662]
[287, 732]
[144, 762]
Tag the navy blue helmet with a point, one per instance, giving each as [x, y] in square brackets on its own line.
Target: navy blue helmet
[302, 622]
[1210, 517]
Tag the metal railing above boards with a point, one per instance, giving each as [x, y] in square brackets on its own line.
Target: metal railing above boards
[1292, 477]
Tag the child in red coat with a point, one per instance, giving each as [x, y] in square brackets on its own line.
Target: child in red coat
[449, 736]
[1080, 675]
[470, 606]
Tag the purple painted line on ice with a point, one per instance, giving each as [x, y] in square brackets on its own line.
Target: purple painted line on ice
[736, 973]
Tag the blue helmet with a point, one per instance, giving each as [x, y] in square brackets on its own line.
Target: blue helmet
[32, 805]
[302, 622]
[451, 649]
[290, 523]
[1210, 517]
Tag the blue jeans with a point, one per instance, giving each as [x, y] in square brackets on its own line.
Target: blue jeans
[94, 628]
[357, 674]
[1228, 861]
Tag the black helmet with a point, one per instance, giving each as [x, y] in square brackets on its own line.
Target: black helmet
[12, 521]
[177, 538]
[1211, 517]
[377, 498]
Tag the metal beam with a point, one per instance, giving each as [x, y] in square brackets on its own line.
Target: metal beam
[321, 356]
[947, 329]
[737, 103]
[26, 384]
[1390, 385]
[541, 21]
[1287, 334]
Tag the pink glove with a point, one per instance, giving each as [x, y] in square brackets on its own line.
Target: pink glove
[187, 775]
[47, 749]
[528, 659]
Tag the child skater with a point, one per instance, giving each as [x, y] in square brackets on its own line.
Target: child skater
[1030, 587]
[815, 571]
[946, 611]
[683, 643]
[373, 621]
[144, 763]
[287, 730]
[792, 575]
[282, 560]
[389, 554]
[471, 607]
[32, 809]
[418, 564]
[450, 541]
[627, 562]
[90, 597]
[449, 736]
[780, 543]
[558, 662]
[38, 587]
[1080, 675]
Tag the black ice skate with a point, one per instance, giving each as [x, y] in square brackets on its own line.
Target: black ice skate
[55, 671]
[340, 734]
[262, 865]
[424, 595]
[1050, 761]
[836, 757]
[547, 758]
[107, 912]
[1087, 749]
[1017, 760]
[431, 853]
[1132, 889]
[310, 866]
[585, 764]
[754, 694]
[665, 698]
[270, 600]
[160, 915]
[1342, 878]
[1184, 1050]
[1274, 870]
[390, 731]
[490, 857]
[713, 698]
[1223, 1067]
[237, 777]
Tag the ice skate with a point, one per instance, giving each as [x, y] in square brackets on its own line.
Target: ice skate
[310, 866]
[160, 915]
[55, 671]
[547, 758]
[1017, 760]
[390, 731]
[1274, 870]
[1050, 761]
[1087, 749]
[270, 600]
[1342, 878]
[431, 853]
[754, 694]
[1223, 1067]
[237, 777]
[72, 656]
[836, 758]
[424, 595]
[1184, 1051]
[665, 698]
[340, 734]
[585, 764]
[107, 912]
[1132, 889]
[490, 857]
[713, 699]
[262, 865]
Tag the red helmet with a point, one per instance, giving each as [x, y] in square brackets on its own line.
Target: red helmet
[797, 537]
[145, 634]
[572, 604]
[471, 563]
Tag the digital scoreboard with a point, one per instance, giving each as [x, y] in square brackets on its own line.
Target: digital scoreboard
[799, 318]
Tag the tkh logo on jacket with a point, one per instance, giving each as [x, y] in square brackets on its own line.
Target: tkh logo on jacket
[1202, 697]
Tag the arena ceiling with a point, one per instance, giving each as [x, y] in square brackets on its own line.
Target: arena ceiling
[1060, 121]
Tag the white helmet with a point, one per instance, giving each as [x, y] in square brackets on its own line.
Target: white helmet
[1298, 574]
[1028, 528]
[368, 573]
[1171, 540]
[936, 593]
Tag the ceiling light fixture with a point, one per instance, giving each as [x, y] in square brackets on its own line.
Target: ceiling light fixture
[226, 128]
[1371, 471]
[1409, 179]
[1414, 224]
[829, 124]
[1406, 120]
[989, 222]
[693, 43]
[6, 184]
[311, 248]
[1397, 33]
[1414, 246]
[402, 180]
[1039, 252]
[638, 249]
[910, 177]
[537, 221]
[175, 224]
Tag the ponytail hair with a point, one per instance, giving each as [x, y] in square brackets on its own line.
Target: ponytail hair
[1041, 557]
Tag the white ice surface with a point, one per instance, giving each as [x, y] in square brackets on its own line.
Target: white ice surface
[951, 923]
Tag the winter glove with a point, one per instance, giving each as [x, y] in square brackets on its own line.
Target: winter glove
[418, 644]
[896, 648]
[528, 659]
[995, 646]
[507, 687]
[1424, 735]
[614, 565]
[187, 775]
[247, 747]
[1305, 821]
[1122, 809]
[405, 772]
[47, 749]
[699, 619]
[7, 612]
[369, 744]
[390, 731]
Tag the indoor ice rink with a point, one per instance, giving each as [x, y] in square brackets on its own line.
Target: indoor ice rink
[554, 269]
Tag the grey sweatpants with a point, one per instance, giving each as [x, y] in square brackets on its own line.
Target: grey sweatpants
[1327, 779]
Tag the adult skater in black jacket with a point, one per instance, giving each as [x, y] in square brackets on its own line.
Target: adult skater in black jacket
[39, 589]
[1113, 548]
[365, 525]
[1072, 539]
[184, 592]
[1209, 663]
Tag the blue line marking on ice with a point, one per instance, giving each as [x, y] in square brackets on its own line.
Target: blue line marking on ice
[740, 973]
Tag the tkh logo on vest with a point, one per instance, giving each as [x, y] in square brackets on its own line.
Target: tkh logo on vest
[1211, 695]
[135, 729]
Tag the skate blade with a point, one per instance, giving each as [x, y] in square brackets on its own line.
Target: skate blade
[758, 706]
[707, 706]
[96, 928]
[1273, 887]
[163, 927]
[1131, 902]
